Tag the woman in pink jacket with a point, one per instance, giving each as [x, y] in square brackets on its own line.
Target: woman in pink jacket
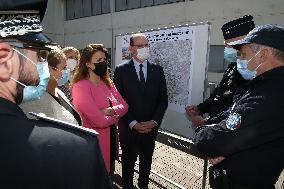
[97, 100]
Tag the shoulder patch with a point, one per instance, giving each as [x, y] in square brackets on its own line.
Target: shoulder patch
[63, 123]
[233, 122]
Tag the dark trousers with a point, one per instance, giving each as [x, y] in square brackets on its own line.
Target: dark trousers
[141, 145]
[218, 179]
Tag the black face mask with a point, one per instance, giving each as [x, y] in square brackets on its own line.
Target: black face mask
[100, 68]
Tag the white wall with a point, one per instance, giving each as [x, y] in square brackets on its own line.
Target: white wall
[98, 29]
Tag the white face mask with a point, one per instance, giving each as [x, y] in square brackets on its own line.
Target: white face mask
[143, 53]
[71, 64]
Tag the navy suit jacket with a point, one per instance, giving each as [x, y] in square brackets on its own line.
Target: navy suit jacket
[146, 105]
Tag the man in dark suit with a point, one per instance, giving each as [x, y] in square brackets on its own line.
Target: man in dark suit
[143, 87]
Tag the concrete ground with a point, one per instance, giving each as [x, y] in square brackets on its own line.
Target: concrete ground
[184, 170]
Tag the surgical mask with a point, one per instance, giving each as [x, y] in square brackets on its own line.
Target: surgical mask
[230, 54]
[143, 53]
[35, 92]
[71, 64]
[100, 69]
[32, 93]
[242, 67]
[65, 77]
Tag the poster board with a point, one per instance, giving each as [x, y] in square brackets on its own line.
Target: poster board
[183, 53]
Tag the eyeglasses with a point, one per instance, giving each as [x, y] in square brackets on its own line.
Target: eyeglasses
[141, 46]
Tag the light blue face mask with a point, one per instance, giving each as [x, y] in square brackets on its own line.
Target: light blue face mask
[35, 92]
[242, 67]
[64, 78]
[230, 54]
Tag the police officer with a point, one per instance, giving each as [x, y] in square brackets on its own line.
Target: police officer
[37, 153]
[250, 139]
[222, 97]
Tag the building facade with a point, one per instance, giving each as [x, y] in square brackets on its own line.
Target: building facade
[79, 22]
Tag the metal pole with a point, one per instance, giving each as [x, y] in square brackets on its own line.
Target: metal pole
[204, 173]
[112, 10]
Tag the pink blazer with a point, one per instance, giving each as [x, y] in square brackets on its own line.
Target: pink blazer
[89, 99]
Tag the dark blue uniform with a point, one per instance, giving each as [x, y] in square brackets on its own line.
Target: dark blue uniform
[251, 136]
[222, 97]
[41, 154]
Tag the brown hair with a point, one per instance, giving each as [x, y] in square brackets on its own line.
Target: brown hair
[55, 57]
[133, 36]
[86, 55]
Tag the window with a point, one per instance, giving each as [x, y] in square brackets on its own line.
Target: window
[216, 59]
[121, 5]
[84, 8]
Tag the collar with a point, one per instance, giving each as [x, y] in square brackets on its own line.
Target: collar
[136, 64]
[8, 107]
[276, 73]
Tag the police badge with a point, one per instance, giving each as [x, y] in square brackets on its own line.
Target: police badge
[234, 121]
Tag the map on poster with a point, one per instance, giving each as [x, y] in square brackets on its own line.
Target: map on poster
[172, 49]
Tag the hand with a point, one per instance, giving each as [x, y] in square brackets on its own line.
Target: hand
[216, 160]
[108, 111]
[141, 128]
[197, 121]
[192, 110]
[149, 124]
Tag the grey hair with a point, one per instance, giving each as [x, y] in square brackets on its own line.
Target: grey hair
[278, 54]
[256, 47]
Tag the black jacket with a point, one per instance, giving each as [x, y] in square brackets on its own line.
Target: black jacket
[143, 106]
[254, 149]
[45, 155]
[222, 97]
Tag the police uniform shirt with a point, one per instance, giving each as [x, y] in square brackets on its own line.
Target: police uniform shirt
[222, 97]
[252, 136]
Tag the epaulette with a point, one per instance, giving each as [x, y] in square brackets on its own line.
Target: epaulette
[65, 124]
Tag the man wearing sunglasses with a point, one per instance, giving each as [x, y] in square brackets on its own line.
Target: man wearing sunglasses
[37, 153]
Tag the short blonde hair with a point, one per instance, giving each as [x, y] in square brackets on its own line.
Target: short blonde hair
[71, 49]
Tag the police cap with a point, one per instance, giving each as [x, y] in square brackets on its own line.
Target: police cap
[20, 19]
[239, 27]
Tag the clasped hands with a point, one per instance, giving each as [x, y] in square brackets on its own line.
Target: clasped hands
[197, 120]
[144, 127]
